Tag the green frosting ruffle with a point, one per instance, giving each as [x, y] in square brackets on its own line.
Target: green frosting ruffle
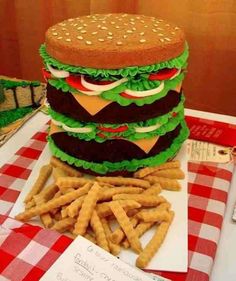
[131, 71]
[9, 116]
[133, 165]
[114, 94]
[8, 84]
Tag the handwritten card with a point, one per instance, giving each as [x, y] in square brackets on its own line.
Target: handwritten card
[85, 261]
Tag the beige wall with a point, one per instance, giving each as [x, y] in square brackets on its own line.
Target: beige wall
[210, 27]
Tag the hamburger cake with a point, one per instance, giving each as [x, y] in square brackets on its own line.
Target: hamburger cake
[114, 90]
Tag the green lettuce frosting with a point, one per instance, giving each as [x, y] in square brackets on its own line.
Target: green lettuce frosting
[9, 116]
[133, 165]
[8, 84]
[131, 71]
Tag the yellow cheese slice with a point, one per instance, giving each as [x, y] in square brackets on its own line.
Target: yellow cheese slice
[92, 104]
[178, 87]
[145, 144]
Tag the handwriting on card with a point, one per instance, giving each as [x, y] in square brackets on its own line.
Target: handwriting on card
[85, 261]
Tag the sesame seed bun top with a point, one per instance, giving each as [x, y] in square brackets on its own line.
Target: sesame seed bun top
[113, 41]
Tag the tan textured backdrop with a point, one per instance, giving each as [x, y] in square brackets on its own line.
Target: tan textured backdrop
[210, 27]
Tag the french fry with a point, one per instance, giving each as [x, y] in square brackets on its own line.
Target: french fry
[119, 181]
[170, 174]
[71, 182]
[46, 194]
[140, 229]
[126, 226]
[149, 170]
[75, 206]
[114, 248]
[153, 190]
[104, 210]
[168, 184]
[64, 213]
[43, 176]
[87, 209]
[51, 204]
[144, 200]
[30, 204]
[99, 231]
[46, 220]
[63, 225]
[55, 162]
[58, 173]
[118, 235]
[154, 216]
[154, 244]
[108, 193]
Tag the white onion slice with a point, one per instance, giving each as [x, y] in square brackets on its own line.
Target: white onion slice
[58, 73]
[146, 93]
[101, 88]
[147, 129]
[176, 74]
[72, 130]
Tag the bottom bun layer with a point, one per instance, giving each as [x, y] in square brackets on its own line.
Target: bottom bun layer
[69, 153]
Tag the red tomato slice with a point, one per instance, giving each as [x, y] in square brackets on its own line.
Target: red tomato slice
[111, 130]
[75, 82]
[124, 95]
[163, 74]
[46, 74]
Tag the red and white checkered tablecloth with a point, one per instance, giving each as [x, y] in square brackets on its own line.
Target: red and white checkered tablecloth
[27, 251]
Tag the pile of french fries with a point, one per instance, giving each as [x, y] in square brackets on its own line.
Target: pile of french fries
[84, 206]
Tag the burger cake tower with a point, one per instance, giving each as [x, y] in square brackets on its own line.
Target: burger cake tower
[114, 90]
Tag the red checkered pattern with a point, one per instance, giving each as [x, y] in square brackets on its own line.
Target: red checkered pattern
[26, 251]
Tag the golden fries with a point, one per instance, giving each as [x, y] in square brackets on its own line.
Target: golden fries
[44, 174]
[75, 205]
[168, 184]
[126, 226]
[87, 209]
[154, 244]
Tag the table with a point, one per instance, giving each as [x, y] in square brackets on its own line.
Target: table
[224, 268]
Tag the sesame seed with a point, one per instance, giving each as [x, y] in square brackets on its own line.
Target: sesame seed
[160, 34]
[60, 37]
[167, 39]
[104, 27]
[68, 39]
[132, 22]
[80, 27]
[110, 33]
[117, 26]
[133, 28]
[75, 24]
[79, 37]
[109, 37]
[142, 40]
[132, 19]
[70, 19]
[138, 18]
[62, 24]
[159, 28]
[64, 29]
[120, 19]
[154, 30]
[167, 24]
[67, 33]
[142, 21]
[119, 43]
[94, 32]
[112, 22]
[54, 33]
[125, 36]
[177, 28]
[83, 31]
[103, 21]
[88, 42]
[99, 25]
[145, 25]
[155, 24]
[173, 32]
[142, 33]
[125, 23]
[93, 21]
[162, 40]
[84, 24]
[53, 29]
[129, 31]
[101, 40]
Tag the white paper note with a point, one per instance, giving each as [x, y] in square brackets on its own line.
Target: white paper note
[84, 261]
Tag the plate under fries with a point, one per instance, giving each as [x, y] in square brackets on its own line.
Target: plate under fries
[173, 254]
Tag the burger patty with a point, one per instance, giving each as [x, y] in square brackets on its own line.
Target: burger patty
[110, 150]
[114, 113]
